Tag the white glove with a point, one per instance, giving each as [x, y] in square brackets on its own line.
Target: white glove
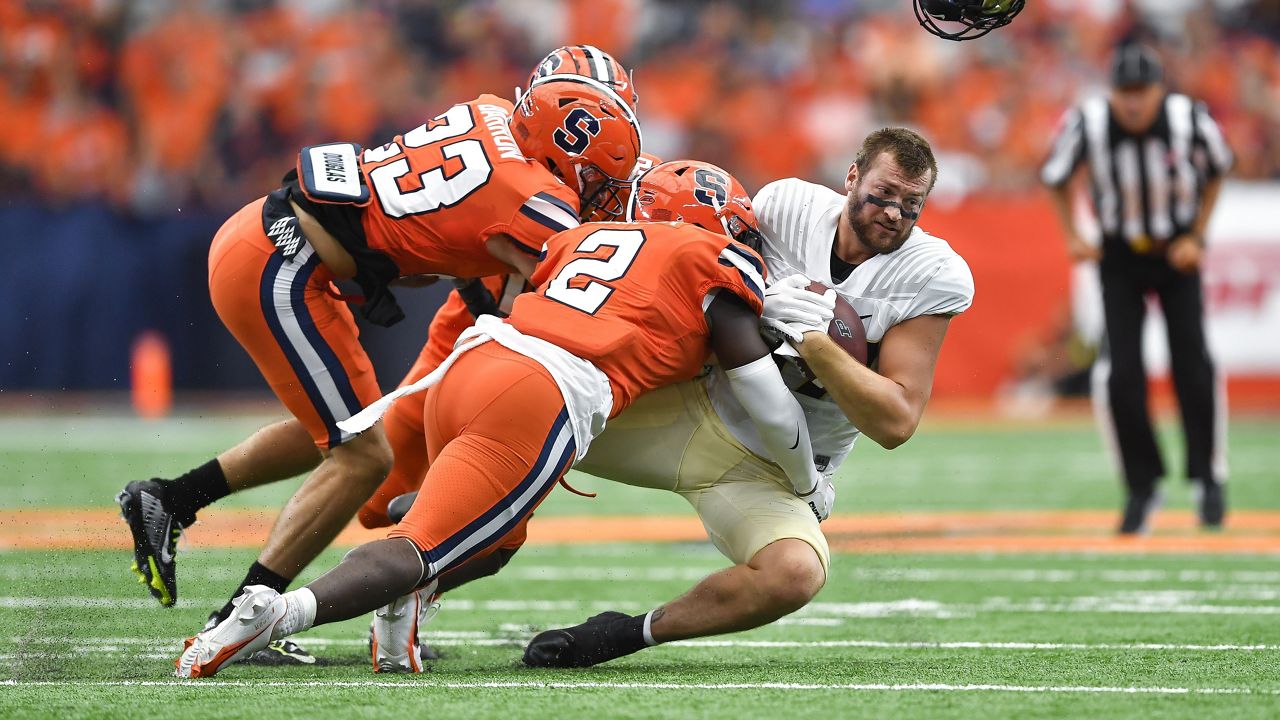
[793, 310]
[821, 499]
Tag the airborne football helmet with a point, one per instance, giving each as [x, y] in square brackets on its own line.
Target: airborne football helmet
[583, 133]
[976, 17]
[588, 61]
[697, 193]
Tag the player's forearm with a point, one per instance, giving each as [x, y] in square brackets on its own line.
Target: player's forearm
[778, 418]
[879, 407]
[1210, 199]
[503, 247]
[1062, 208]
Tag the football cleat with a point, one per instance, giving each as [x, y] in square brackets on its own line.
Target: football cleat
[578, 646]
[275, 654]
[1137, 512]
[245, 631]
[393, 636]
[155, 538]
[281, 652]
[399, 506]
[1211, 502]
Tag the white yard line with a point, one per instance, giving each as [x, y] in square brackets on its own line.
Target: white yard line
[516, 635]
[554, 685]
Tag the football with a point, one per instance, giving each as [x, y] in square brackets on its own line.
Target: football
[846, 327]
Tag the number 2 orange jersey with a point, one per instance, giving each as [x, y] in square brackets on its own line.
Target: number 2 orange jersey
[439, 191]
[631, 298]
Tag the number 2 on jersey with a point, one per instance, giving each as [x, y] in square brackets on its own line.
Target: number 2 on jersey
[438, 190]
[590, 297]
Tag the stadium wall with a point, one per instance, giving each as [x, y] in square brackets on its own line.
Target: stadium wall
[82, 284]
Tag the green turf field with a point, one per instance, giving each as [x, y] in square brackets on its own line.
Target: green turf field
[895, 636]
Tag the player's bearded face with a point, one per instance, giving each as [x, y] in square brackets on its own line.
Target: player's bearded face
[883, 207]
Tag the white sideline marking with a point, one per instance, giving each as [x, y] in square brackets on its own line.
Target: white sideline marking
[553, 685]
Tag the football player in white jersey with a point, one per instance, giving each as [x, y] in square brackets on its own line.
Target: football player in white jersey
[905, 284]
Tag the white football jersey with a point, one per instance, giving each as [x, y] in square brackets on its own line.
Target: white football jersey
[923, 277]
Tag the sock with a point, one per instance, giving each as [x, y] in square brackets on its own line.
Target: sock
[196, 489]
[648, 629]
[300, 613]
[612, 639]
[258, 574]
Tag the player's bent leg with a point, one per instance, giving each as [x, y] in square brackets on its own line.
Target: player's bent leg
[279, 451]
[306, 345]
[403, 426]
[482, 484]
[780, 579]
[750, 515]
[326, 502]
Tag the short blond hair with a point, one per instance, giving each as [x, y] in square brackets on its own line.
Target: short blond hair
[909, 149]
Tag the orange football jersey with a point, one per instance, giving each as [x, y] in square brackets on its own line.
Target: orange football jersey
[439, 191]
[630, 298]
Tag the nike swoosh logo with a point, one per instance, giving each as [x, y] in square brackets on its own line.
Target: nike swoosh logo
[863, 317]
[165, 555]
[796, 444]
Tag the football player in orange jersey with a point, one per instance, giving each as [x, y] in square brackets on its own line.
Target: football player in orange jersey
[474, 192]
[403, 422]
[620, 309]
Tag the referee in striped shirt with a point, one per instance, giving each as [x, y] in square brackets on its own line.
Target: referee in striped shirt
[1155, 164]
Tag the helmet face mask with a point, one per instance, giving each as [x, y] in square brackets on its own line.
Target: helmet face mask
[976, 17]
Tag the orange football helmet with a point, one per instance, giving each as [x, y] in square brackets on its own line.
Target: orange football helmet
[583, 133]
[697, 193]
[588, 61]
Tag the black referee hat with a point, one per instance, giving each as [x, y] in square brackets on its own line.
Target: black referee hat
[1136, 66]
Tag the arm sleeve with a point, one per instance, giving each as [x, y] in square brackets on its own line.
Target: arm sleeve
[779, 420]
[1209, 135]
[1067, 150]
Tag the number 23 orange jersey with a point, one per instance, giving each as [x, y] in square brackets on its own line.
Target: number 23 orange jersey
[439, 191]
[631, 297]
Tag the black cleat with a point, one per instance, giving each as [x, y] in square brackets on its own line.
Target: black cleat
[1213, 505]
[281, 652]
[1137, 512]
[155, 538]
[399, 506]
[590, 643]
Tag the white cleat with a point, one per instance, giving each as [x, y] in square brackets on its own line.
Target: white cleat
[393, 637]
[246, 631]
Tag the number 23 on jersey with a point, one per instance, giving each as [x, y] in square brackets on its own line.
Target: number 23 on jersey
[405, 190]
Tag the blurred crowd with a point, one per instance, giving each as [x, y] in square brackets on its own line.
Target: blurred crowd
[154, 106]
